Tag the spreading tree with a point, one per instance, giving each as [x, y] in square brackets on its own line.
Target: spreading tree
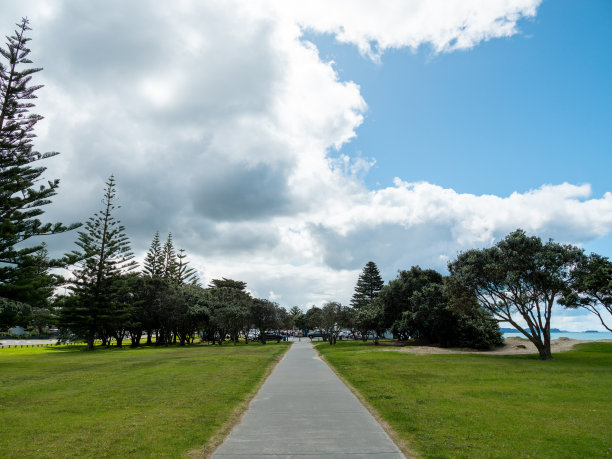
[368, 286]
[518, 277]
[591, 288]
[104, 256]
[22, 191]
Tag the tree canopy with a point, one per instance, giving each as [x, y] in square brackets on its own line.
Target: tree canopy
[368, 285]
[23, 193]
[519, 275]
[591, 288]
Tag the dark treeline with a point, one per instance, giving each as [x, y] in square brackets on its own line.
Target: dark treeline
[519, 281]
[106, 297]
[417, 305]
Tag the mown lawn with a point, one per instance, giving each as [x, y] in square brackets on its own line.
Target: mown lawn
[146, 402]
[487, 406]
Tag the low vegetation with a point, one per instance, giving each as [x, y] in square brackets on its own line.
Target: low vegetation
[143, 402]
[486, 406]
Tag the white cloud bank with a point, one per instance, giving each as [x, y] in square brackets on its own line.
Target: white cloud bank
[217, 118]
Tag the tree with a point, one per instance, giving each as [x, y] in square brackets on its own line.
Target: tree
[394, 298]
[333, 317]
[184, 273]
[13, 313]
[519, 275]
[369, 320]
[313, 318]
[105, 254]
[227, 283]
[35, 285]
[591, 287]
[154, 259]
[229, 308]
[20, 201]
[433, 317]
[169, 261]
[368, 285]
[263, 314]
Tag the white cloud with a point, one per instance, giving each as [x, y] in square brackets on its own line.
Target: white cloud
[444, 25]
[217, 120]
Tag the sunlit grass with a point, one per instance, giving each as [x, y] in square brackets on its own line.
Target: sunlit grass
[487, 406]
[122, 402]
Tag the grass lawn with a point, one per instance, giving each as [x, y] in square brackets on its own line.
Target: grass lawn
[146, 402]
[487, 406]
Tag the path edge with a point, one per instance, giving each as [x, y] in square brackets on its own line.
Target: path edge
[207, 450]
[401, 444]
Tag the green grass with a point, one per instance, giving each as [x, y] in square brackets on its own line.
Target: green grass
[487, 406]
[147, 402]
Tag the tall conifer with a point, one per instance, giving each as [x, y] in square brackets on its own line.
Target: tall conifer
[185, 274]
[368, 286]
[20, 200]
[154, 259]
[105, 254]
[169, 259]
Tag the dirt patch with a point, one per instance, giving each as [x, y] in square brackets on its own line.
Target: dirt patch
[511, 346]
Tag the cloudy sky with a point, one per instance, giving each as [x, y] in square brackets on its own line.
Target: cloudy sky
[287, 143]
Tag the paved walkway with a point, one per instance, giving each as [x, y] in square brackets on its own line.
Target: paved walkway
[303, 409]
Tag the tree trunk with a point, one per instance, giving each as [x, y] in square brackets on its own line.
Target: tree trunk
[135, 338]
[544, 350]
[90, 342]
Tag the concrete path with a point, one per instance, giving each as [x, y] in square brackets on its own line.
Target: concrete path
[303, 409]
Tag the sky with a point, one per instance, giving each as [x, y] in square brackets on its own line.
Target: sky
[286, 144]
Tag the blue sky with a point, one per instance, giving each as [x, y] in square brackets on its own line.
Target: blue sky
[507, 115]
[227, 124]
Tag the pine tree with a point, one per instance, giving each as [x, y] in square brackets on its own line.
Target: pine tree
[105, 255]
[20, 201]
[169, 259]
[368, 286]
[154, 259]
[184, 273]
[34, 285]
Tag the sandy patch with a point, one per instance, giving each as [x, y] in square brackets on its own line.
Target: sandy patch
[512, 346]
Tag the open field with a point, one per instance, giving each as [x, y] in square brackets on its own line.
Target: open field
[467, 405]
[145, 402]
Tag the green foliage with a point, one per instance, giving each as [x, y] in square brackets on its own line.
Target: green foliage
[184, 273]
[105, 254]
[169, 259]
[394, 298]
[591, 288]
[229, 308]
[368, 285]
[519, 275]
[418, 305]
[13, 313]
[166, 263]
[369, 321]
[313, 318]
[264, 315]
[227, 283]
[20, 201]
[486, 406]
[154, 259]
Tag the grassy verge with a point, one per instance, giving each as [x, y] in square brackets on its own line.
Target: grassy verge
[487, 406]
[122, 402]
